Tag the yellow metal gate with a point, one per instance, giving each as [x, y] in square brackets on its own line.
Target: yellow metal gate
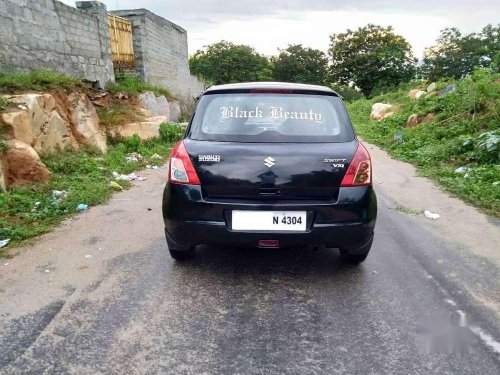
[122, 48]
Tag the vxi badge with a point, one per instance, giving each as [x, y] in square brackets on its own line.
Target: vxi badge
[336, 163]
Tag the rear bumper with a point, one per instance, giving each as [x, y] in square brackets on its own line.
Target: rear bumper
[346, 223]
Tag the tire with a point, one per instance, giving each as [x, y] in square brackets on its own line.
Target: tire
[356, 256]
[182, 255]
[353, 258]
[177, 251]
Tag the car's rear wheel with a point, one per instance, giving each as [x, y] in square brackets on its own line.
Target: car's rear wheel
[178, 251]
[181, 255]
[353, 258]
[356, 256]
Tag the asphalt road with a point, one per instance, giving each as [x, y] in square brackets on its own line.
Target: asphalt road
[102, 295]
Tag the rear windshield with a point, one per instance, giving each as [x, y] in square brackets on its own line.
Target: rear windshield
[271, 117]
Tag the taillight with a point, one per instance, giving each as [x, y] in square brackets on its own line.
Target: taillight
[181, 169]
[359, 172]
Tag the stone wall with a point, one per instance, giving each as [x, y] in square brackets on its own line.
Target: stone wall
[161, 52]
[47, 34]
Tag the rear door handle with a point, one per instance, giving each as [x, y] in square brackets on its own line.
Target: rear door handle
[269, 191]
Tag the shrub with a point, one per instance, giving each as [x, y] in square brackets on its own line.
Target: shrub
[133, 143]
[488, 146]
[118, 114]
[132, 85]
[465, 132]
[170, 132]
[347, 93]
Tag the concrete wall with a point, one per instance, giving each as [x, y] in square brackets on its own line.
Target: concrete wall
[47, 34]
[161, 52]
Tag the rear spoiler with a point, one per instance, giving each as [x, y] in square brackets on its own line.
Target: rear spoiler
[268, 90]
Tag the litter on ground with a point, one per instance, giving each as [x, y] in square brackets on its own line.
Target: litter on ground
[115, 186]
[81, 207]
[128, 177]
[431, 215]
[58, 195]
[133, 157]
[4, 243]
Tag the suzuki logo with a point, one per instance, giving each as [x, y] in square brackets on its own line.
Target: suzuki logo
[269, 162]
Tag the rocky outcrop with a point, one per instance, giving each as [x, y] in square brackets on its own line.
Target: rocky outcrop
[41, 124]
[3, 185]
[381, 111]
[160, 106]
[432, 87]
[163, 107]
[22, 165]
[85, 122]
[428, 117]
[36, 122]
[414, 120]
[416, 94]
[175, 111]
[148, 102]
[144, 129]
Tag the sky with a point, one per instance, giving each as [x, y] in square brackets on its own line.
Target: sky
[268, 25]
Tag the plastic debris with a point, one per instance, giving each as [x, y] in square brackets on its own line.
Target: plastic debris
[127, 177]
[115, 186]
[37, 205]
[4, 243]
[47, 271]
[156, 156]
[447, 90]
[81, 207]
[462, 170]
[133, 157]
[88, 256]
[6, 264]
[155, 167]
[398, 136]
[431, 215]
[58, 195]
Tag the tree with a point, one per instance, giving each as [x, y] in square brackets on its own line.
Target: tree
[225, 62]
[371, 56]
[456, 55]
[300, 64]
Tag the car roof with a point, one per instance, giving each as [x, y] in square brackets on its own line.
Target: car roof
[246, 86]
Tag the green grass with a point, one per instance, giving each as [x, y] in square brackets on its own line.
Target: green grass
[132, 85]
[4, 103]
[85, 175]
[465, 132]
[39, 80]
[118, 114]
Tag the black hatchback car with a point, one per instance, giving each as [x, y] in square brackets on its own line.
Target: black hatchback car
[270, 165]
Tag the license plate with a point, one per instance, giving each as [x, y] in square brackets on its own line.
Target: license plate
[292, 221]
